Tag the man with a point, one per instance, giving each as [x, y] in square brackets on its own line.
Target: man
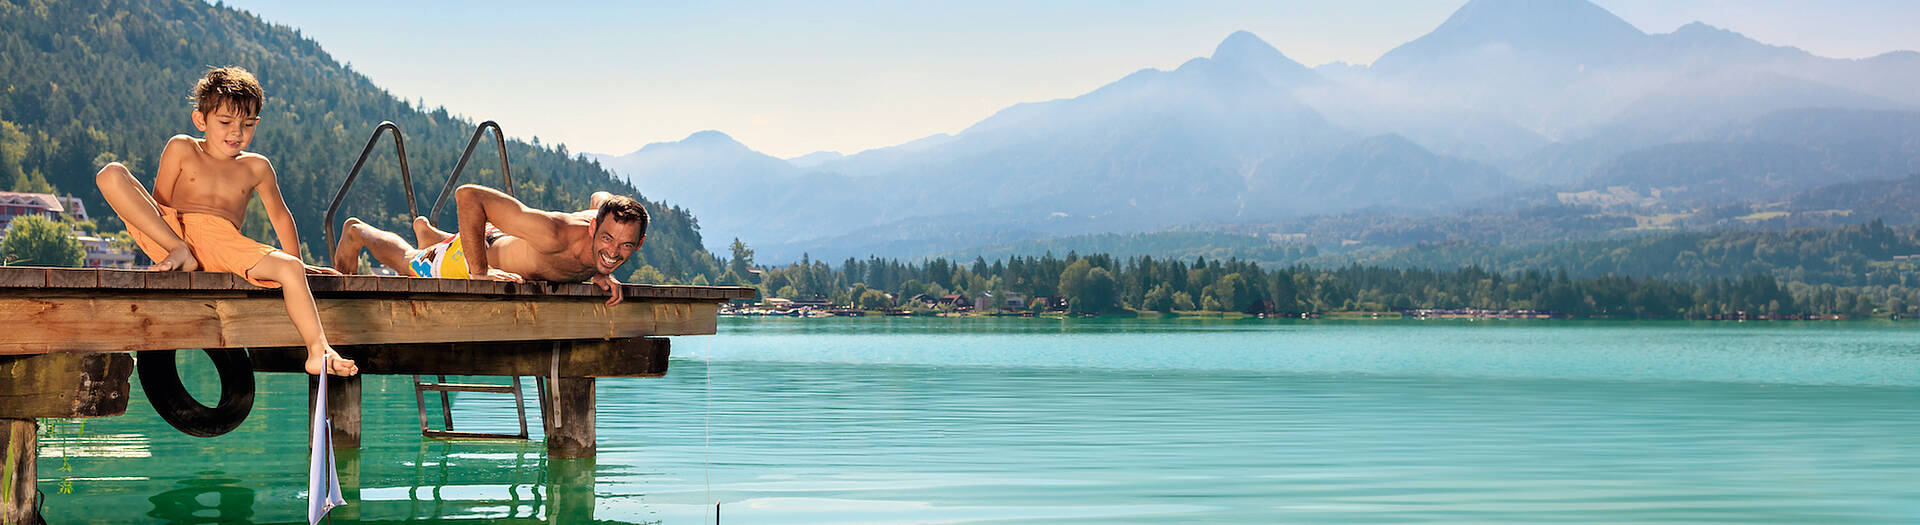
[520, 242]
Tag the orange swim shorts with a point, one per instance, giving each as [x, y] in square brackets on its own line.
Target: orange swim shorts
[216, 243]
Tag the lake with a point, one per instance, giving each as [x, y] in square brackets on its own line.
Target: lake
[1012, 420]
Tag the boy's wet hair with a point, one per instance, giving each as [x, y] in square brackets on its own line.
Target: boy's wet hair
[230, 86]
[624, 209]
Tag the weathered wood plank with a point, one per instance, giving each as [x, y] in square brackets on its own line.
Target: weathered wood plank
[73, 278]
[213, 281]
[24, 277]
[64, 385]
[123, 279]
[360, 284]
[395, 284]
[423, 285]
[169, 281]
[99, 322]
[327, 283]
[633, 357]
[19, 471]
[454, 286]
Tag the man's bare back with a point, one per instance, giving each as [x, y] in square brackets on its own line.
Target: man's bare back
[519, 256]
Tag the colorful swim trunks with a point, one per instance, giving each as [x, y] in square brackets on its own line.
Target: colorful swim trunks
[447, 259]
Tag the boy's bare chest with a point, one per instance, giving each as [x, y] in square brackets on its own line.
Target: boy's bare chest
[230, 178]
[213, 188]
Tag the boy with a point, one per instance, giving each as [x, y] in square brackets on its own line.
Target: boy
[200, 196]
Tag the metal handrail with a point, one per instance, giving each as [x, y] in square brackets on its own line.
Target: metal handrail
[506, 173]
[406, 180]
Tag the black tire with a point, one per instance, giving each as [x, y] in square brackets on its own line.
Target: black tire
[161, 381]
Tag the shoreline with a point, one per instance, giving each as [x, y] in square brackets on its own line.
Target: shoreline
[1421, 315]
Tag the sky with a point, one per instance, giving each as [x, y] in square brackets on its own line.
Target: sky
[793, 78]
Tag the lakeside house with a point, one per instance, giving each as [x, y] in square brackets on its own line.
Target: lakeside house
[1475, 313]
[16, 204]
[954, 302]
[100, 252]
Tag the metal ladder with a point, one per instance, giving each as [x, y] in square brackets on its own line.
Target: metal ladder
[440, 384]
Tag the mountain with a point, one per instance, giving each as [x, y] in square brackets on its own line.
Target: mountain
[93, 82]
[1897, 201]
[1219, 137]
[817, 158]
[1503, 106]
[741, 192]
[700, 170]
[1497, 35]
[1772, 157]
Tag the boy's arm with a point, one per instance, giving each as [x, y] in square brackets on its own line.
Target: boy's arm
[478, 205]
[277, 213]
[176, 152]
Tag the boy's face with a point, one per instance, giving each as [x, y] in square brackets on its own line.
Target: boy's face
[228, 131]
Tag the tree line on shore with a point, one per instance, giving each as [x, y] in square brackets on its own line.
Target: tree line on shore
[1098, 284]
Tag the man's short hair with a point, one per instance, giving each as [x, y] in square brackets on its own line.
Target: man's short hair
[230, 86]
[624, 209]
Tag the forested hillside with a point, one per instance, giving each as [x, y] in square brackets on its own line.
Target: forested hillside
[91, 82]
[1860, 255]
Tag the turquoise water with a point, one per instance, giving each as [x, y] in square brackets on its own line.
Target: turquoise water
[1111, 421]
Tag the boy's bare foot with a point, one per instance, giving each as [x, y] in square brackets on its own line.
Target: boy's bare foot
[336, 365]
[181, 259]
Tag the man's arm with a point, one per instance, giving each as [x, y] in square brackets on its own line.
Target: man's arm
[478, 205]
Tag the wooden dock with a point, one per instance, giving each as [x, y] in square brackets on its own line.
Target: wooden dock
[66, 334]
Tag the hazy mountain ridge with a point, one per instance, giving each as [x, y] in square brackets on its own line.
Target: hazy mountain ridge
[1504, 96]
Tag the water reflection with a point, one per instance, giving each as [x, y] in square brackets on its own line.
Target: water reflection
[213, 497]
[446, 486]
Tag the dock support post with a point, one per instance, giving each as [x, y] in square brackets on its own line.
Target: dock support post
[19, 452]
[569, 417]
[343, 408]
[59, 385]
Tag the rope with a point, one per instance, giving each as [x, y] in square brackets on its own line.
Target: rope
[706, 351]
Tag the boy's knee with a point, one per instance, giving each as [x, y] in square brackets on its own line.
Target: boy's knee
[112, 171]
[282, 261]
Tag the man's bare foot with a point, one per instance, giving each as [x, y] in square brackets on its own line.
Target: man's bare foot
[424, 234]
[181, 259]
[335, 364]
